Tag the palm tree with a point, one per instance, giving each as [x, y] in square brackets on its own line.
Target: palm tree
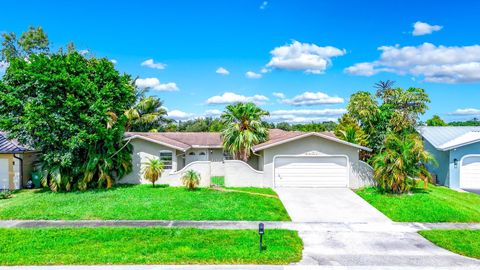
[348, 130]
[147, 114]
[400, 165]
[153, 170]
[243, 128]
[191, 179]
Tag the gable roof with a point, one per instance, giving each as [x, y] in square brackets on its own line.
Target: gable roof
[447, 138]
[185, 140]
[180, 140]
[10, 146]
[280, 137]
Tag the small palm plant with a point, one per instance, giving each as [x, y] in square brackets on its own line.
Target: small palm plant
[153, 170]
[191, 179]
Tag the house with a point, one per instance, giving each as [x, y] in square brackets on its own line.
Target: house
[286, 159]
[457, 151]
[15, 163]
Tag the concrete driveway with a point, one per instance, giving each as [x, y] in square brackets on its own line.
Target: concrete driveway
[328, 205]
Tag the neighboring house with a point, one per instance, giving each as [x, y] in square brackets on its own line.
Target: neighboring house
[286, 159]
[457, 151]
[15, 163]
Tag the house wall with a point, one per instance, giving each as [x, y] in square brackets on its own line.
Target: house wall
[442, 157]
[143, 151]
[305, 145]
[29, 160]
[454, 181]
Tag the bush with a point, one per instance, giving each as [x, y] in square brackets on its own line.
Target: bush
[191, 179]
[153, 170]
[5, 194]
[399, 166]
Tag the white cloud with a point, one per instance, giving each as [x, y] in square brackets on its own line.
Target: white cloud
[229, 97]
[303, 56]
[312, 98]
[264, 5]
[253, 75]
[3, 65]
[278, 95]
[305, 116]
[179, 115]
[422, 28]
[466, 111]
[222, 71]
[264, 70]
[114, 61]
[212, 113]
[154, 84]
[84, 52]
[151, 64]
[435, 63]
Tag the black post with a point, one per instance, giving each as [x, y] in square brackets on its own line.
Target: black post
[261, 231]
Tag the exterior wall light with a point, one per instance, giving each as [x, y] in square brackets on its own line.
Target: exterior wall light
[455, 163]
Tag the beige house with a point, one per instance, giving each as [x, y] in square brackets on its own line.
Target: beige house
[286, 159]
[15, 163]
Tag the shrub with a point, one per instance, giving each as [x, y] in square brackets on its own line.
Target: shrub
[191, 179]
[5, 194]
[399, 166]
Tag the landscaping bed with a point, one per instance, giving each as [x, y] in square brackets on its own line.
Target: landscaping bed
[463, 242]
[142, 202]
[436, 204]
[86, 246]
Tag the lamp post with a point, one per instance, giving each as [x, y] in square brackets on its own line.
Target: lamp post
[261, 231]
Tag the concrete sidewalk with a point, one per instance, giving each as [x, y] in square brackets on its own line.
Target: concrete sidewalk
[298, 226]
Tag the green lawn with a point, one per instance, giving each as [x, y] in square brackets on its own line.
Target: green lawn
[54, 246]
[136, 202]
[436, 204]
[464, 242]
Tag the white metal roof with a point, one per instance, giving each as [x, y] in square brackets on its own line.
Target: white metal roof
[447, 138]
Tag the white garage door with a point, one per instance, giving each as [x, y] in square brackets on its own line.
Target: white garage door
[4, 182]
[311, 171]
[470, 172]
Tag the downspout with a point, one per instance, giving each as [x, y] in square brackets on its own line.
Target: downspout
[20, 169]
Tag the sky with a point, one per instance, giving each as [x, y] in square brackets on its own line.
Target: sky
[300, 60]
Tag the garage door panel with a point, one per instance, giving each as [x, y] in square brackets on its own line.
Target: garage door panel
[304, 171]
[470, 172]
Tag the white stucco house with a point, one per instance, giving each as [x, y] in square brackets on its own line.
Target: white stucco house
[286, 159]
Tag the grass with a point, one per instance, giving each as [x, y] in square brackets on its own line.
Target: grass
[55, 246]
[464, 242]
[218, 181]
[436, 204]
[137, 202]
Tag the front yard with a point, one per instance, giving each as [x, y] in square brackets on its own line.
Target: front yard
[436, 204]
[55, 246]
[464, 242]
[142, 202]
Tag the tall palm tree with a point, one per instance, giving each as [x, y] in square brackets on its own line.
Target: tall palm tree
[243, 129]
[400, 165]
[147, 115]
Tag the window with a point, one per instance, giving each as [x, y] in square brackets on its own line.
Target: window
[166, 158]
[191, 154]
[202, 154]
[227, 156]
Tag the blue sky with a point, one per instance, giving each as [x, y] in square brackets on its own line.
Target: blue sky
[312, 54]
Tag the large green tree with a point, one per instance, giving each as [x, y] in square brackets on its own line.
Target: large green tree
[398, 111]
[348, 130]
[244, 128]
[70, 108]
[436, 121]
[33, 41]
